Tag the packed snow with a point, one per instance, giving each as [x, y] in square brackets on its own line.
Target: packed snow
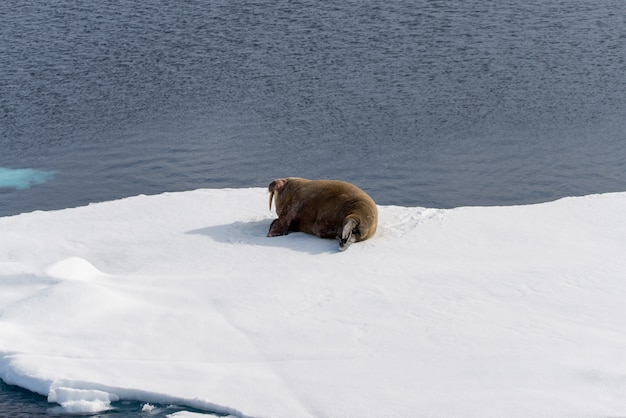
[180, 298]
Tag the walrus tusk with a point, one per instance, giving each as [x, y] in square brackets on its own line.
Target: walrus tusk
[271, 197]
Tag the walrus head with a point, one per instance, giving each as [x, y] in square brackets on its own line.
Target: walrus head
[274, 188]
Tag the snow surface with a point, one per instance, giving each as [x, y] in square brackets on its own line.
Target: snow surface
[181, 298]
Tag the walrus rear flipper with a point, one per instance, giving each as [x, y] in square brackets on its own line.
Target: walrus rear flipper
[347, 238]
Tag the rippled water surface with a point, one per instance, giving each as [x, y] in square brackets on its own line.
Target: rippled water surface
[429, 103]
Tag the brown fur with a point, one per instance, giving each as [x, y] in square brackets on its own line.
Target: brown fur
[326, 208]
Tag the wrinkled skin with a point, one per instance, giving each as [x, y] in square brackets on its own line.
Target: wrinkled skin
[326, 208]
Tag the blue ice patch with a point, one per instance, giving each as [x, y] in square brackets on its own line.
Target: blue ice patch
[23, 178]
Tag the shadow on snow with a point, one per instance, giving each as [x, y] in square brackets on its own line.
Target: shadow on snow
[254, 232]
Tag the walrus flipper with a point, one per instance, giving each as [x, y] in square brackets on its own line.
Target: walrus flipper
[277, 228]
[347, 237]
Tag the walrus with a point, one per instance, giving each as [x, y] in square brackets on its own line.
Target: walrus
[326, 208]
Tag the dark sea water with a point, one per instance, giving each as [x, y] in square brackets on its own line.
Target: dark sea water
[420, 102]
[19, 403]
